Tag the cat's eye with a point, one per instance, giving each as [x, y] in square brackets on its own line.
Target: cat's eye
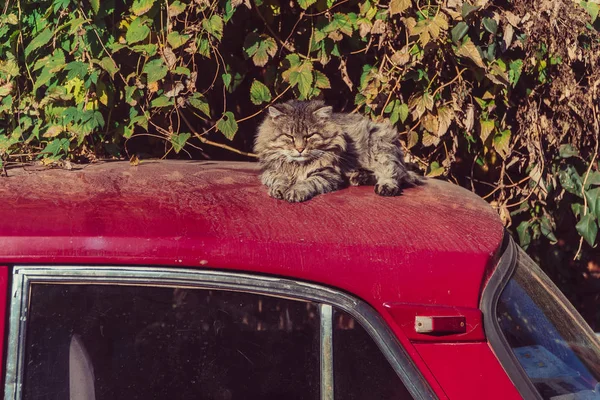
[313, 134]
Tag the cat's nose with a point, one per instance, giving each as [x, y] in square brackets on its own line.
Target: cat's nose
[300, 149]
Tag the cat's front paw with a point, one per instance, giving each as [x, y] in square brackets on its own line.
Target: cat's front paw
[277, 192]
[299, 194]
[387, 190]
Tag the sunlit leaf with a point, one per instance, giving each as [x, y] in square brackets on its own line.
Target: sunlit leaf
[399, 6]
[155, 70]
[227, 125]
[259, 93]
[137, 31]
[40, 40]
[179, 140]
[176, 39]
[140, 7]
[469, 50]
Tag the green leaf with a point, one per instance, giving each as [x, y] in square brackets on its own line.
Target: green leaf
[227, 125]
[487, 127]
[77, 69]
[306, 3]
[593, 201]
[141, 7]
[95, 6]
[179, 141]
[226, 80]
[588, 228]
[502, 142]
[162, 101]
[321, 80]
[40, 40]
[176, 8]
[137, 31]
[524, 234]
[10, 68]
[490, 25]
[459, 31]
[577, 209]
[397, 111]
[155, 70]
[547, 229]
[145, 49]
[567, 150]
[300, 76]
[467, 9]
[176, 39]
[182, 71]
[214, 26]
[591, 8]
[260, 48]
[570, 180]
[109, 66]
[435, 170]
[259, 93]
[514, 72]
[199, 102]
[55, 147]
[593, 179]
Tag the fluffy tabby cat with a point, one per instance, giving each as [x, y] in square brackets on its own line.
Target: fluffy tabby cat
[305, 149]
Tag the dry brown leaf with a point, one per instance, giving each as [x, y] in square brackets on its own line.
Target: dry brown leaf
[469, 50]
[336, 36]
[430, 140]
[379, 27]
[512, 18]
[445, 117]
[399, 6]
[413, 139]
[364, 28]
[401, 57]
[153, 87]
[53, 131]
[170, 57]
[507, 37]
[430, 123]
[470, 118]
[345, 76]
[419, 104]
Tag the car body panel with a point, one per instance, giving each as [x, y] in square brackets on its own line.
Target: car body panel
[468, 371]
[429, 246]
[434, 245]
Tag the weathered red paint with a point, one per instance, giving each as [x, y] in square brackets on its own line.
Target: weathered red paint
[468, 371]
[430, 246]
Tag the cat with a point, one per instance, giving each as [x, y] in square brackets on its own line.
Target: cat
[305, 149]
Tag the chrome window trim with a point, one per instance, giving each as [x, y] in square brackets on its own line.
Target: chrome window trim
[326, 351]
[365, 315]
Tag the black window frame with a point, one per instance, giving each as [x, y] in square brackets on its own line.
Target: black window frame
[23, 277]
[489, 306]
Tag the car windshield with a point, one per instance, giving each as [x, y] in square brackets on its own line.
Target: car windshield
[557, 349]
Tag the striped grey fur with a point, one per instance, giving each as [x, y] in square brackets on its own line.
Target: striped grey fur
[305, 149]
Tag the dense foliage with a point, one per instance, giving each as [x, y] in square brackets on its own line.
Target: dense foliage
[500, 97]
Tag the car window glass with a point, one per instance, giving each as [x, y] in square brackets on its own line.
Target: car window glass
[361, 371]
[138, 342]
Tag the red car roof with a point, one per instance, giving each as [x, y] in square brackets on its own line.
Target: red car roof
[431, 245]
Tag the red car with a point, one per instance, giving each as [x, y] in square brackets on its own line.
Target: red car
[185, 280]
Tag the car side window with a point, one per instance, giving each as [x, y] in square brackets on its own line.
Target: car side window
[361, 371]
[140, 342]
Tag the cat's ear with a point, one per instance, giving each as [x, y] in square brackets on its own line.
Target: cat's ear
[323, 112]
[274, 112]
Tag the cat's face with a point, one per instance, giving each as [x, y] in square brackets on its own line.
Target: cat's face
[301, 131]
